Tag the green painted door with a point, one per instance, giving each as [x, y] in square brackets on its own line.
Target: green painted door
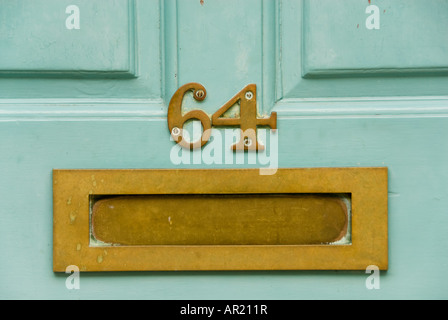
[86, 84]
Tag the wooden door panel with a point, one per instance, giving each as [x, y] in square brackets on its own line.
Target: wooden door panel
[353, 38]
[77, 51]
[326, 50]
[56, 38]
[379, 99]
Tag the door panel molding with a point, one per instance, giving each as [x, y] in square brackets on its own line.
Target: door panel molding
[179, 71]
[281, 85]
[333, 47]
[51, 51]
[140, 78]
[294, 81]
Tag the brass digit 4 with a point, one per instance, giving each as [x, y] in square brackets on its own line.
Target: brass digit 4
[248, 120]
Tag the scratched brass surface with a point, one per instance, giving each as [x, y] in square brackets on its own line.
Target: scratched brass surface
[220, 220]
[74, 189]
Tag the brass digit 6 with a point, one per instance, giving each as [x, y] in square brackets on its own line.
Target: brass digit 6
[176, 120]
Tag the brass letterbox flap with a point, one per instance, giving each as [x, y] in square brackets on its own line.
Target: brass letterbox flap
[297, 219]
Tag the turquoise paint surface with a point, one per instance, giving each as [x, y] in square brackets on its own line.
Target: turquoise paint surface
[417, 207]
[109, 46]
[103, 43]
[406, 41]
[48, 124]
[334, 53]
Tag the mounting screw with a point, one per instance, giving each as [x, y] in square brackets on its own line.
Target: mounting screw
[200, 94]
[175, 131]
[247, 142]
[249, 95]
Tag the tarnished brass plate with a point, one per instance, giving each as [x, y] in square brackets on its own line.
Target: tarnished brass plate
[220, 219]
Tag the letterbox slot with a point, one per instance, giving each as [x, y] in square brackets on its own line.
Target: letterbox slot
[229, 219]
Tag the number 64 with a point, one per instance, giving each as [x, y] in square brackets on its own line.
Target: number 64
[248, 120]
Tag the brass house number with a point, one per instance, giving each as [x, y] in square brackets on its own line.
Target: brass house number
[248, 120]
